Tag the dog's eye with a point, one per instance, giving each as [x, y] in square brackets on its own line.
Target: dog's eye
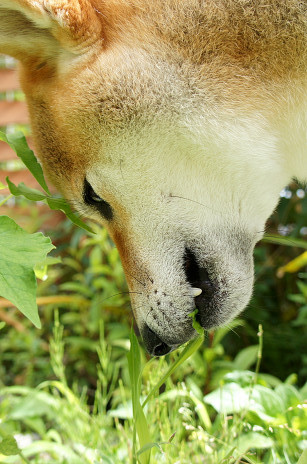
[91, 198]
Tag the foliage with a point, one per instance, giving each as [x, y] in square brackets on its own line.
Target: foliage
[20, 252]
[212, 410]
[278, 299]
[18, 143]
[249, 418]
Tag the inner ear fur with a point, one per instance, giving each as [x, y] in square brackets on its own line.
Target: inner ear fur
[41, 28]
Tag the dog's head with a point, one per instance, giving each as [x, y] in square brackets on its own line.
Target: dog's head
[159, 146]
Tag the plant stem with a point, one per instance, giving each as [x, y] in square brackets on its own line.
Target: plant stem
[24, 458]
[6, 199]
[53, 299]
[260, 348]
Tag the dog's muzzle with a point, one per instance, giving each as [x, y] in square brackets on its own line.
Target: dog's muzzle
[202, 290]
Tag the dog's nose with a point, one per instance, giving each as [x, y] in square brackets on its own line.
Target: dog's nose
[154, 345]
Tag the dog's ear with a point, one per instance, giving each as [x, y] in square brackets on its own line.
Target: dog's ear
[38, 29]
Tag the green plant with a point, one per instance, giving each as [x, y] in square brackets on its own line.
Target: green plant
[152, 412]
[250, 417]
[21, 251]
[272, 303]
[301, 299]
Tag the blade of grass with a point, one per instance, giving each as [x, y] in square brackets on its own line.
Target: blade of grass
[188, 350]
[288, 241]
[140, 422]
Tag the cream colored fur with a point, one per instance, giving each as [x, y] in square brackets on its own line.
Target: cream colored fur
[188, 117]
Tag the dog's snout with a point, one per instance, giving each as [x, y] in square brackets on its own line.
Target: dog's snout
[153, 343]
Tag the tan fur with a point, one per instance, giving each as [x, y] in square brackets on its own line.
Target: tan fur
[186, 116]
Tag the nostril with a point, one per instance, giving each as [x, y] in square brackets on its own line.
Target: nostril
[206, 283]
[197, 276]
[153, 342]
[162, 349]
[191, 268]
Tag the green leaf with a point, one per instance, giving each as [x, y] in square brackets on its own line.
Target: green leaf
[64, 452]
[62, 205]
[35, 404]
[289, 395]
[303, 458]
[54, 203]
[232, 398]
[27, 192]
[253, 440]
[147, 447]
[228, 399]
[19, 144]
[123, 411]
[246, 358]
[8, 446]
[20, 252]
[303, 391]
[267, 403]
[196, 325]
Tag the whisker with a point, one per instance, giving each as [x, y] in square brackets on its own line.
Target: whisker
[193, 201]
[149, 278]
[99, 12]
[139, 281]
[232, 329]
[119, 293]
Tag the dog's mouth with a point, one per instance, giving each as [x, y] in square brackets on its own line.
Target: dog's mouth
[202, 287]
[218, 296]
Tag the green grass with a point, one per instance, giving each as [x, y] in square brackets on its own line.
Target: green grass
[160, 416]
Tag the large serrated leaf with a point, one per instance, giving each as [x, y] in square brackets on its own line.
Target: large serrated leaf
[19, 253]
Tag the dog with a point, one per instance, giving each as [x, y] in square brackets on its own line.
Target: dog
[174, 123]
